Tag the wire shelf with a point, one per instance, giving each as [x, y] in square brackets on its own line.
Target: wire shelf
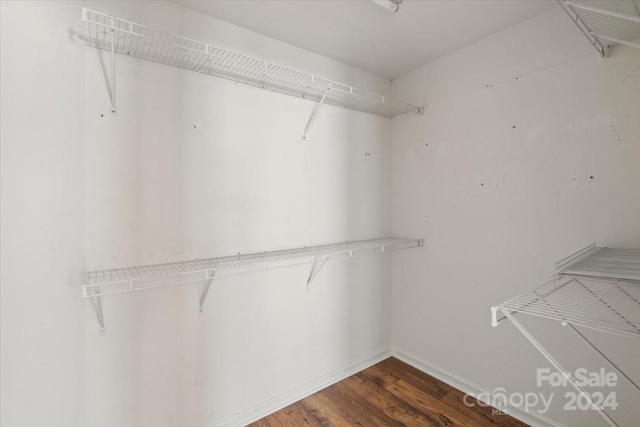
[596, 288]
[98, 283]
[604, 305]
[602, 262]
[142, 42]
[606, 23]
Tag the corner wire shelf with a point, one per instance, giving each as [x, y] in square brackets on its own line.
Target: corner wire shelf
[130, 279]
[606, 23]
[595, 261]
[596, 288]
[603, 305]
[131, 39]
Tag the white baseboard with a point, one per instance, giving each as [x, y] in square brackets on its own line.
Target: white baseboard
[270, 406]
[532, 419]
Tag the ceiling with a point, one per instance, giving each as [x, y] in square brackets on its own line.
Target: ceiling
[365, 35]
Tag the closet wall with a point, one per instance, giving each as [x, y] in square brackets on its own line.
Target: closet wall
[41, 102]
[192, 167]
[528, 151]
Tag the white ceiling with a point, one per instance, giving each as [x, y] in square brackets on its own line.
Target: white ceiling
[367, 36]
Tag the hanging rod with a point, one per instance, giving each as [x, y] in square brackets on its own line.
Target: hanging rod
[139, 41]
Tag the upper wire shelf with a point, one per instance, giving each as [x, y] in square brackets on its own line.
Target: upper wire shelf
[606, 23]
[98, 283]
[602, 262]
[143, 42]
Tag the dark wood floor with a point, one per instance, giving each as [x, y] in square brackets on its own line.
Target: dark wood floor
[390, 393]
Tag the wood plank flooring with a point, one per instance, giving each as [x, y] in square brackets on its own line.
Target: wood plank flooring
[390, 393]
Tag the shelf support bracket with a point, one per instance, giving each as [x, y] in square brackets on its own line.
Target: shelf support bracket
[113, 69]
[96, 303]
[315, 268]
[557, 365]
[597, 350]
[589, 343]
[314, 114]
[205, 292]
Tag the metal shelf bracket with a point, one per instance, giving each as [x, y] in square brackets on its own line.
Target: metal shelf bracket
[316, 266]
[314, 114]
[96, 303]
[112, 89]
[557, 366]
[205, 292]
[597, 350]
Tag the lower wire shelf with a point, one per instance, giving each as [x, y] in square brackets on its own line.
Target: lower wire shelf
[104, 282]
[604, 305]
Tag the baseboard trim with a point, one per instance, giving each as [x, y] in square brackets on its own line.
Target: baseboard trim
[276, 403]
[465, 386]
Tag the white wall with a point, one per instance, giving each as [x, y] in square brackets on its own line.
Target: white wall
[42, 94]
[193, 166]
[486, 176]
[84, 189]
